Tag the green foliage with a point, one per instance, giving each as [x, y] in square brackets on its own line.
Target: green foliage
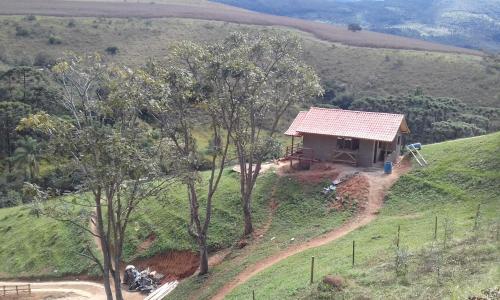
[431, 119]
[54, 40]
[26, 157]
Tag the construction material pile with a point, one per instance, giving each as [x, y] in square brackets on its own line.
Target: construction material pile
[144, 281]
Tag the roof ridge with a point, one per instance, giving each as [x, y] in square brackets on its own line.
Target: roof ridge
[355, 111]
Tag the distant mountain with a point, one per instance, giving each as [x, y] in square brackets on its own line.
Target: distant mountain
[464, 23]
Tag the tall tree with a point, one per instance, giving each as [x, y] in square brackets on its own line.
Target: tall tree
[26, 157]
[269, 77]
[10, 114]
[118, 154]
[192, 75]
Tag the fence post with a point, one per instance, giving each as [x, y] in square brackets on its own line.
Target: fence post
[4, 290]
[29, 288]
[476, 220]
[312, 269]
[353, 249]
[17, 290]
[435, 227]
[397, 241]
[253, 295]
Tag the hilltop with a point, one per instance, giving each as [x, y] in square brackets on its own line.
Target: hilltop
[470, 24]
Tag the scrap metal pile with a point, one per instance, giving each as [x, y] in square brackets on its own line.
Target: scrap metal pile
[144, 281]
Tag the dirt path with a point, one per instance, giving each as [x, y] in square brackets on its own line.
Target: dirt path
[379, 184]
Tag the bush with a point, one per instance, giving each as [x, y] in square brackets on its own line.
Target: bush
[354, 27]
[30, 18]
[71, 23]
[112, 50]
[54, 40]
[44, 59]
[21, 31]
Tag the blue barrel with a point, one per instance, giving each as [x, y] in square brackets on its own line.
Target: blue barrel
[388, 167]
[417, 146]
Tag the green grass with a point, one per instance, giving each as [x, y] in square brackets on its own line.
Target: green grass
[39, 247]
[168, 216]
[365, 71]
[461, 175]
[301, 214]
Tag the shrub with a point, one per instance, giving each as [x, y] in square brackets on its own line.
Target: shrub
[44, 59]
[30, 18]
[112, 50]
[21, 31]
[71, 23]
[54, 40]
[401, 262]
[354, 27]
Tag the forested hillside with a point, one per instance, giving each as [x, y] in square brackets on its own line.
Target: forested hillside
[470, 24]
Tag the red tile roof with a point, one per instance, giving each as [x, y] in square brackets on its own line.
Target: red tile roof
[292, 129]
[348, 123]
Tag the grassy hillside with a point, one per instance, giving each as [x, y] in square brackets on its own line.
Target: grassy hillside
[39, 247]
[461, 175]
[361, 70]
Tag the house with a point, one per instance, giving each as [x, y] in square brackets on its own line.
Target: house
[360, 138]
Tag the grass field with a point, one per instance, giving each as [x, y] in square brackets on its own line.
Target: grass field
[214, 11]
[362, 71]
[461, 175]
[39, 247]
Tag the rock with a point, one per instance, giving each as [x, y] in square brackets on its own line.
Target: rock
[334, 281]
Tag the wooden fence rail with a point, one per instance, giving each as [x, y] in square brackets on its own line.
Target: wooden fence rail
[15, 289]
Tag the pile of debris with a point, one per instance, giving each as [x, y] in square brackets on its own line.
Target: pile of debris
[144, 281]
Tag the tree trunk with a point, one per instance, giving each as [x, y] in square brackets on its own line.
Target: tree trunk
[202, 241]
[117, 279]
[247, 213]
[104, 248]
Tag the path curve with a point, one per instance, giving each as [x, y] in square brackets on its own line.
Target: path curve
[379, 185]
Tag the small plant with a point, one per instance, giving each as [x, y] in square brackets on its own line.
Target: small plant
[30, 18]
[113, 50]
[54, 40]
[71, 23]
[401, 262]
[21, 31]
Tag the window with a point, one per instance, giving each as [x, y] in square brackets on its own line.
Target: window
[399, 140]
[347, 144]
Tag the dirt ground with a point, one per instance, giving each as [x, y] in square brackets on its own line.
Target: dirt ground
[217, 12]
[378, 184]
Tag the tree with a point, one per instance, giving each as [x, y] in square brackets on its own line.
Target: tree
[354, 27]
[26, 157]
[193, 75]
[113, 148]
[11, 113]
[266, 78]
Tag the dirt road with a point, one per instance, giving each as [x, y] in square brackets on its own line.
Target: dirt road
[379, 184]
[217, 12]
[71, 290]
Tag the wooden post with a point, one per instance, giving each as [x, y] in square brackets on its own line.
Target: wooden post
[476, 220]
[436, 227]
[4, 290]
[353, 249]
[17, 290]
[253, 295]
[29, 288]
[312, 269]
[397, 241]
